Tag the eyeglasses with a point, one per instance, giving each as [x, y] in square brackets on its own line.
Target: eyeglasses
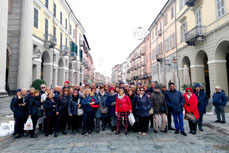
[142, 90]
[43, 87]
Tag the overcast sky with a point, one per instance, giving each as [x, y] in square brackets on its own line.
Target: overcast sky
[110, 27]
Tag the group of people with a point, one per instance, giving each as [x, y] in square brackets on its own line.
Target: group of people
[94, 108]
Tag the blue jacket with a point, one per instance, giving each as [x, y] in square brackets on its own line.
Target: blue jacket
[202, 101]
[175, 100]
[143, 105]
[19, 111]
[219, 99]
[109, 101]
[102, 103]
[34, 104]
[49, 109]
[85, 103]
[73, 105]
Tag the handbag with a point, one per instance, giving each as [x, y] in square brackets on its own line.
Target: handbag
[131, 119]
[28, 125]
[151, 111]
[94, 106]
[80, 112]
[190, 117]
[103, 109]
[40, 112]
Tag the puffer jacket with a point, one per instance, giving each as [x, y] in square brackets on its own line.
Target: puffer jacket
[73, 105]
[158, 103]
[191, 105]
[123, 104]
[133, 103]
[62, 104]
[202, 101]
[34, 105]
[219, 99]
[143, 105]
[109, 101]
[49, 109]
[175, 100]
[85, 103]
[20, 112]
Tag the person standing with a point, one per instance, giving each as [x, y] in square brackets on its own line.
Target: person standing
[111, 103]
[175, 100]
[202, 104]
[88, 116]
[143, 106]
[219, 101]
[20, 114]
[50, 112]
[191, 107]
[34, 108]
[122, 109]
[160, 109]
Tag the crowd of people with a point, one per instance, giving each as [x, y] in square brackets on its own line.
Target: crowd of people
[84, 109]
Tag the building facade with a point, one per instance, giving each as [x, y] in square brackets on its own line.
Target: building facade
[45, 41]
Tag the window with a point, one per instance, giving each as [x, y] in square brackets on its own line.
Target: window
[54, 9]
[198, 17]
[61, 15]
[47, 4]
[66, 24]
[183, 31]
[66, 42]
[172, 13]
[35, 22]
[166, 19]
[46, 29]
[61, 41]
[54, 32]
[70, 29]
[220, 8]
[181, 4]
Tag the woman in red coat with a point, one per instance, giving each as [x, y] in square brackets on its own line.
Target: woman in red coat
[191, 106]
[122, 109]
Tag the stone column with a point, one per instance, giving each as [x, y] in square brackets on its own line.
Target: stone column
[24, 79]
[48, 73]
[3, 45]
[218, 75]
[197, 73]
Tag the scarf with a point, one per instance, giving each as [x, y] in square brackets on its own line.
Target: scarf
[120, 97]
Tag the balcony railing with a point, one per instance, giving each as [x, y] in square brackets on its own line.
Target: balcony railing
[190, 3]
[64, 51]
[196, 34]
[49, 41]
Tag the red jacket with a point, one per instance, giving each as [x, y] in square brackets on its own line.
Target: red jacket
[123, 105]
[191, 105]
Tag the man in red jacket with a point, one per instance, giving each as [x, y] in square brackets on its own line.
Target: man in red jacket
[122, 109]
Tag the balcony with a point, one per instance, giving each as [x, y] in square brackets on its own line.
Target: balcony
[49, 41]
[159, 57]
[190, 3]
[197, 34]
[143, 52]
[65, 51]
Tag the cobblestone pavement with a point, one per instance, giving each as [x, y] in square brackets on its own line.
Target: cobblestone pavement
[214, 139]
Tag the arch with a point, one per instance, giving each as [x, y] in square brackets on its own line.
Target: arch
[222, 49]
[186, 61]
[186, 70]
[46, 57]
[46, 68]
[200, 56]
[61, 62]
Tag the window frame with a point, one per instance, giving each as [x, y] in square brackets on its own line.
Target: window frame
[54, 10]
[37, 18]
[47, 4]
[224, 7]
[46, 28]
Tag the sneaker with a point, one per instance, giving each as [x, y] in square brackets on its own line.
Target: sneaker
[117, 132]
[223, 122]
[140, 133]
[144, 134]
[217, 121]
[183, 133]
[176, 132]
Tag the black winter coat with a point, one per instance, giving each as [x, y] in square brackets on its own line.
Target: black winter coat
[73, 105]
[159, 103]
[62, 104]
[19, 111]
[133, 103]
[49, 109]
[34, 105]
[202, 101]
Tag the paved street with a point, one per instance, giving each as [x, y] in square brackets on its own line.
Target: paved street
[215, 138]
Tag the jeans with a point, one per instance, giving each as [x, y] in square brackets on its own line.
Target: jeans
[88, 117]
[179, 125]
[113, 121]
[144, 122]
[219, 110]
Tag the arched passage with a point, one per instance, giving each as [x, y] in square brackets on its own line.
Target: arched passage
[222, 65]
[61, 72]
[186, 71]
[202, 70]
[46, 68]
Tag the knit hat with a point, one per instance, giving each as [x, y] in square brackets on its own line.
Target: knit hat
[197, 85]
[111, 88]
[66, 82]
[157, 87]
[217, 87]
[18, 90]
[121, 82]
[188, 89]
